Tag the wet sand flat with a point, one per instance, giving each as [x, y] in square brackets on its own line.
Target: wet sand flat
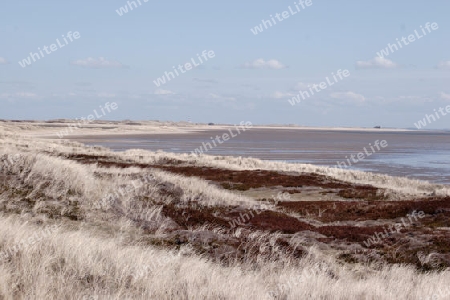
[421, 155]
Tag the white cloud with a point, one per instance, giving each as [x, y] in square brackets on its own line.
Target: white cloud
[376, 63]
[221, 98]
[444, 65]
[402, 100]
[262, 64]
[281, 95]
[417, 99]
[3, 61]
[106, 95]
[26, 95]
[301, 86]
[22, 95]
[205, 80]
[163, 92]
[445, 96]
[348, 96]
[64, 95]
[405, 99]
[99, 63]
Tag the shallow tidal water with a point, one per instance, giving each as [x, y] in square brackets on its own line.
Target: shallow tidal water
[420, 155]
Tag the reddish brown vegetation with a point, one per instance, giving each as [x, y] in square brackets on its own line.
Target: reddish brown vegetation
[332, 211]
[349, 233]
[368, 205]
[247, 179]
[271, 221]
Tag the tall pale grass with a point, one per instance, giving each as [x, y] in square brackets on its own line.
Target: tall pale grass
[72, 264]
[100, 256]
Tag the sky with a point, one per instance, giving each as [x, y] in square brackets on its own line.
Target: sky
[118, 56]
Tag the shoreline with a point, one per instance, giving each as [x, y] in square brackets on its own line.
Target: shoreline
[298, 144]
[50, 129]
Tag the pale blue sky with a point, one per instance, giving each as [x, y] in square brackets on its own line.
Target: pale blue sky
[141, 45]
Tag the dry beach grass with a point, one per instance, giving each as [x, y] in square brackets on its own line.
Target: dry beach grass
[155, 225]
